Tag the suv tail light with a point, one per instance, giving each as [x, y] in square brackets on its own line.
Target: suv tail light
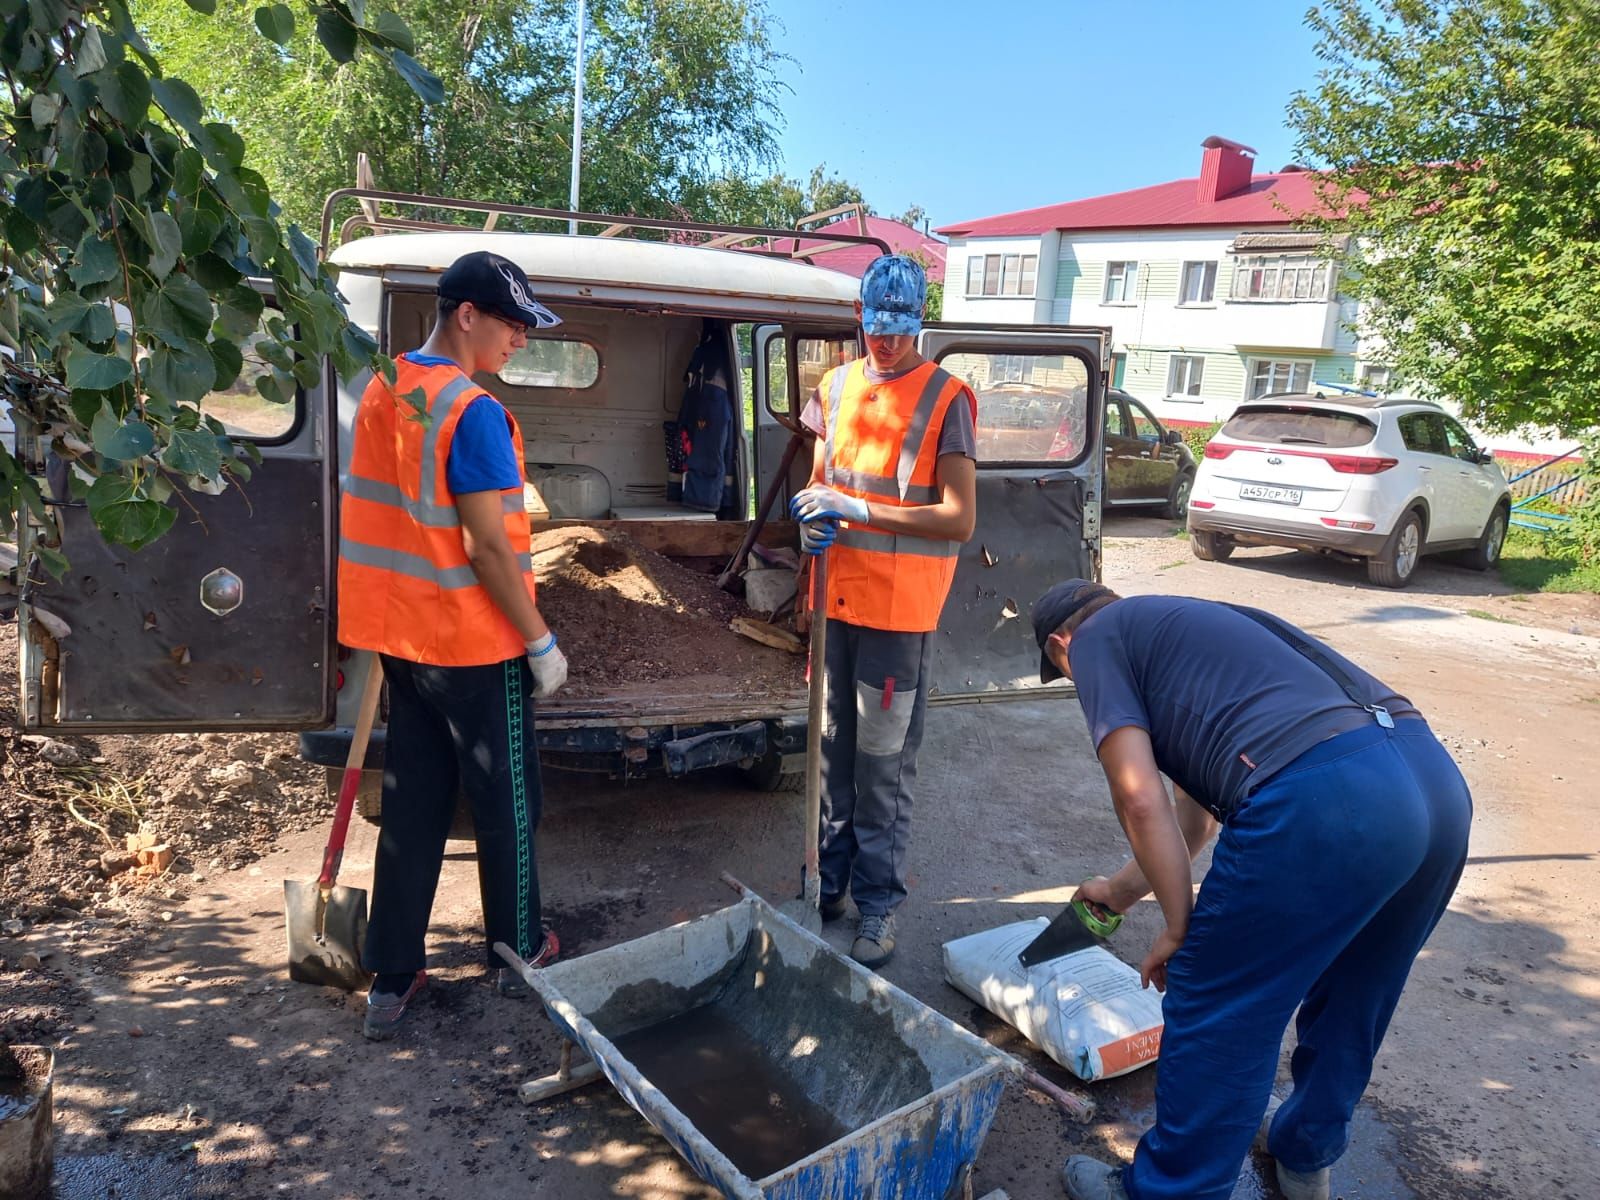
[1345, 464]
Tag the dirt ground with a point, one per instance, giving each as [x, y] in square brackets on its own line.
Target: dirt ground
[188, 1065]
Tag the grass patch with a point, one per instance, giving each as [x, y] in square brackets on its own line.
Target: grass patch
[1489, 616]
[1548, 563]
[1182, 562]
[1182, 531]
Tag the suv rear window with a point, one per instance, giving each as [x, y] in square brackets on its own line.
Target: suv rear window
[1293, 426]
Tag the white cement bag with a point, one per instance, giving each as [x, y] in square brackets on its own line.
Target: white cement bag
[1086, 1010]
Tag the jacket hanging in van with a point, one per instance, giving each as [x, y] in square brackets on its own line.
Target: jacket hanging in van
[706, 424]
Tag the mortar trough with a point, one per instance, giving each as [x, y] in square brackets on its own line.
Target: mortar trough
[779, 1069]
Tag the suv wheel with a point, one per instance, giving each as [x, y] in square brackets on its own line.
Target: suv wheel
[1490, 542]
[1178, 502]
[1396, 563]
[1210, 547]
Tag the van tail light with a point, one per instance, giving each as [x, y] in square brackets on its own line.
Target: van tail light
[338, 680]
[1216, 450]
[1359, 464]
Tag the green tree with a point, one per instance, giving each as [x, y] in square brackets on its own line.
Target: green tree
[778, 200]
[131, 229]
[1462, 154]
[675, 92]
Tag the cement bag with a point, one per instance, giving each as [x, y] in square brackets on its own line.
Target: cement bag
[1086, 1010]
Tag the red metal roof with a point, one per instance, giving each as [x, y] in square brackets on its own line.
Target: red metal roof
[854, 260]
[1269, 200]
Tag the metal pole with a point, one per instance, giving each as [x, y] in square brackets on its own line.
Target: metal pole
[577, 120]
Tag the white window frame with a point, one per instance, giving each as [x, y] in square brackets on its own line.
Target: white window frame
[1015, 275]
[1272, 365]
[1264, 278]
[1208, 284]
[1125, 273]
[1185, 377]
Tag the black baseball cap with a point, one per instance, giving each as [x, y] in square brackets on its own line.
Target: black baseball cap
[496, 285]
[1058, 603]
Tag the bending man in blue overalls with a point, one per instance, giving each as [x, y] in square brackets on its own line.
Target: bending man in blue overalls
[1344, 831]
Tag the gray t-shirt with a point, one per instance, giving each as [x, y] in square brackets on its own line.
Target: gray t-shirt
[1227, 703]
[958, 435]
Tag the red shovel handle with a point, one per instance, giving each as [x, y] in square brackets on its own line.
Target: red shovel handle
[350, 783]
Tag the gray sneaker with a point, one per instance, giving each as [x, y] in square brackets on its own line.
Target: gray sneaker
[835, 907]
[1088, 1178]
[1295, 1185]
[386, 1011]
[513, 986]
[874, 942]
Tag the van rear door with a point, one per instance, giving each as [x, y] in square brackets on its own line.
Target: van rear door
[1041, 391]
[224, 622]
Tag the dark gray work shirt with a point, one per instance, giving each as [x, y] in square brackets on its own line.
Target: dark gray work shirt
[1227, 703]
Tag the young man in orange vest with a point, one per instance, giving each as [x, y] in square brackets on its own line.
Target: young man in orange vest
[892, 499]
[435, 576]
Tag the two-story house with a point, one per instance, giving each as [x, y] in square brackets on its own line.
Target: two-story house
[1212, 294]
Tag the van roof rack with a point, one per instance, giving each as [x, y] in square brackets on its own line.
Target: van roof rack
[798, 243]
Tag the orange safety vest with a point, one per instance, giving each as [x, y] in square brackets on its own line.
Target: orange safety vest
[406, 588]
[882, 444]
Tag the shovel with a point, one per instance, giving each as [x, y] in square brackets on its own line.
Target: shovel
[327, 924]
[807, 910]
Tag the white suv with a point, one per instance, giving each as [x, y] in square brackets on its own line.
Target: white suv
[1382, 480]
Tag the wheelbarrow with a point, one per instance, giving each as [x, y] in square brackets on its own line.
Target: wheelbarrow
[778, 1068]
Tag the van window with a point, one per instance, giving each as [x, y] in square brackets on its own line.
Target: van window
[553, 363]
[244, 412]
[1300, 427]
[1031, 407]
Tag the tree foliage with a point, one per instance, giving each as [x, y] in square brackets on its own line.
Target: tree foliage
[778, 201]
[676, 93]
[1463, 142]
[132, 229]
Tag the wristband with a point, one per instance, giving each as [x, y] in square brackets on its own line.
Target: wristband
[532, 653]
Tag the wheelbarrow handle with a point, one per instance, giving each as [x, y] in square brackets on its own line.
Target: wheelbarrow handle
[350, 782]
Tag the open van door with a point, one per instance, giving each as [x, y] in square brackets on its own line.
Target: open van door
[787, 364]
[223, 623]
[1040, 391]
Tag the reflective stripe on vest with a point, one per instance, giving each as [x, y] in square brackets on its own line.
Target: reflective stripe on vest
[880, 443]
[406, 587]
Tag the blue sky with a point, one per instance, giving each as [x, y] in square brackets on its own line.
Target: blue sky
[976, 108]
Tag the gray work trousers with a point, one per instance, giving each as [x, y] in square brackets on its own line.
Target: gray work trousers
[877, 696]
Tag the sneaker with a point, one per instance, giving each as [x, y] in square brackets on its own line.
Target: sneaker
[1088, 1178]
[510, 984]
[387, 1010]
[1295, 1185]
[874, 942]
[835, 908]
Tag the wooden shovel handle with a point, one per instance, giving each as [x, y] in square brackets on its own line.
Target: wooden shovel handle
[816, 717]
[350, 782]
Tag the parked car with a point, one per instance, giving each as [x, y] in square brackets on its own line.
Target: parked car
[1383, 481]
[1146, 463]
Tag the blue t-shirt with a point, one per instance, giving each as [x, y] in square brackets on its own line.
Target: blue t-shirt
[482, 457]
[1227, 703]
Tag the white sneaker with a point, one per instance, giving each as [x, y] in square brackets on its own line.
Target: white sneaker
[1295, 1185]
[1088, 1178]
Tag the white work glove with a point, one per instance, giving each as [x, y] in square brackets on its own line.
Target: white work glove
[822, 503]
[549, 666]
[817, 536]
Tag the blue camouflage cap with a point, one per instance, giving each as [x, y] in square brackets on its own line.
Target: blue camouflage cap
[893, 293]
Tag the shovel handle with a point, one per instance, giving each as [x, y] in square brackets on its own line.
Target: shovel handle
[816, 717]
[350, 782]
[763, 511]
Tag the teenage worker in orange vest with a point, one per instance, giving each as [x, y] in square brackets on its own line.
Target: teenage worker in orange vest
[892, 498]
[435, 576]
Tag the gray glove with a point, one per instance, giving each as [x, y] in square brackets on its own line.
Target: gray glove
[549, 666]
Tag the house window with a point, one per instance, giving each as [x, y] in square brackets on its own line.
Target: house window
[1122, 281]
[1002, 274]
[1271, 376]
[1376, 379]
[1012, 368]
[1281, 277]
[1184, 374]
[1199, 284]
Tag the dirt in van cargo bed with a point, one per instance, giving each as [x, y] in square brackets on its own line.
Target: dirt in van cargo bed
[626, 615]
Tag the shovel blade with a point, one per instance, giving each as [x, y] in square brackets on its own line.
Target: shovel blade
[325, 940]
[1064, 935]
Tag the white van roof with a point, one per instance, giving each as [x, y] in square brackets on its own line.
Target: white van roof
[580, 267]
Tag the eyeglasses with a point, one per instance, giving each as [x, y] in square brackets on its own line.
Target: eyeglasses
[517, 327]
